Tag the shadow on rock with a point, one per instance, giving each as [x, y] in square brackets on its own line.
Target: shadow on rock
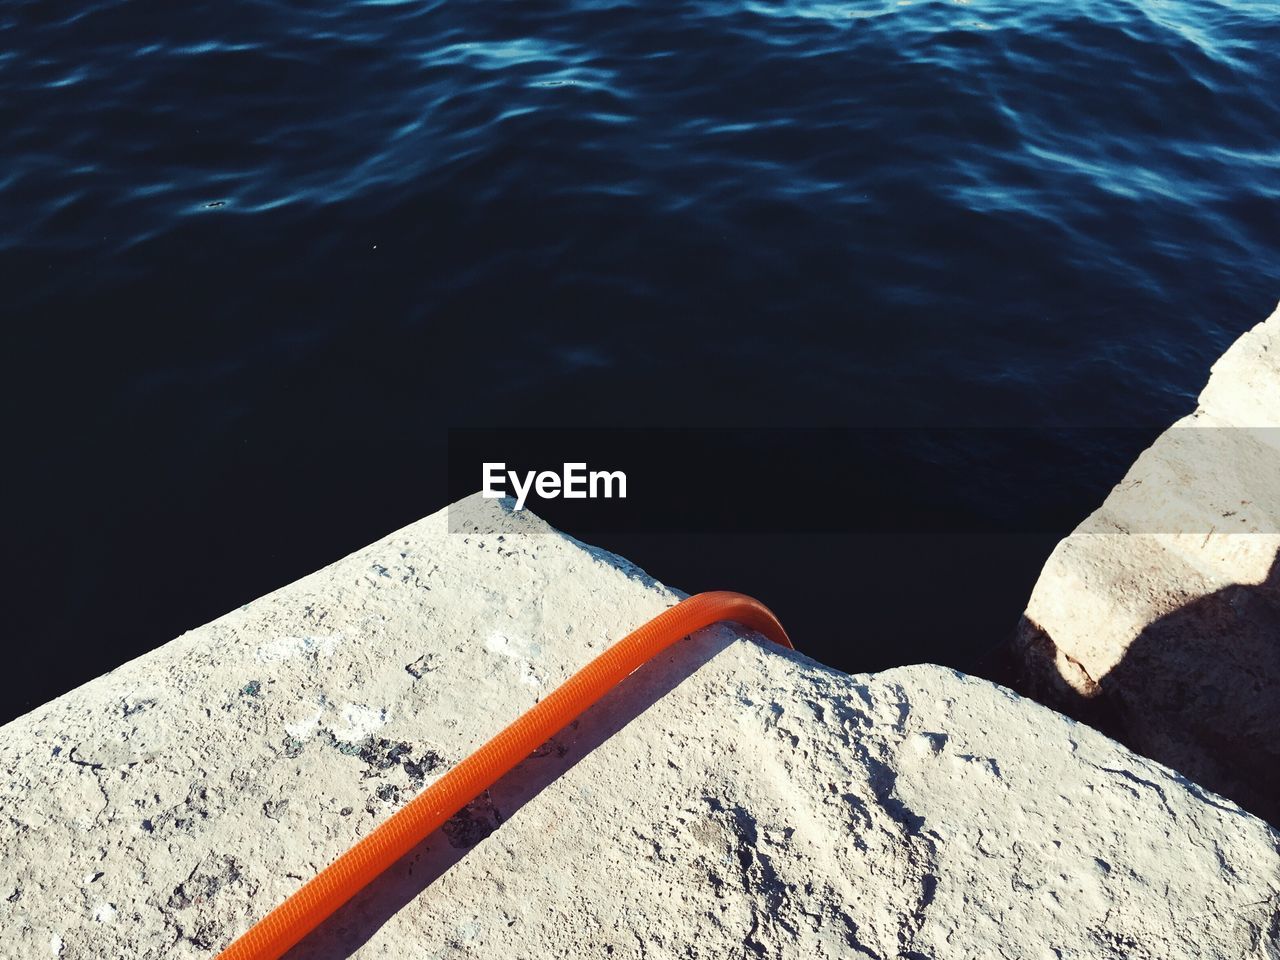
[1198, 690]
[356, 922]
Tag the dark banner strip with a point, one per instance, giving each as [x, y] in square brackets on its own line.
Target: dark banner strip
[828, 480]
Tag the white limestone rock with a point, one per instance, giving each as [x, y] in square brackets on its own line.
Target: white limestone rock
[729, 800]
[1158, 619]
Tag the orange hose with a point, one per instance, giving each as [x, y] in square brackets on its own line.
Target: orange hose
[337, 883]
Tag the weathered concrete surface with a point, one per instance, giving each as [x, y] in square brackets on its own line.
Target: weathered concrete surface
[731, 800]
[1158, 619]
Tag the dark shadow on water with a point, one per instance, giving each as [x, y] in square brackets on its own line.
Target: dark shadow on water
[356, 922]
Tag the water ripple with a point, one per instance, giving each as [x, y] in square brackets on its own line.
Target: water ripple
[911, 208]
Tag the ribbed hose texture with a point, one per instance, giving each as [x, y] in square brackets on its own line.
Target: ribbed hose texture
[288, 923]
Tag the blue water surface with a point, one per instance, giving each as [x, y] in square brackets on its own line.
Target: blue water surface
[257, 256]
